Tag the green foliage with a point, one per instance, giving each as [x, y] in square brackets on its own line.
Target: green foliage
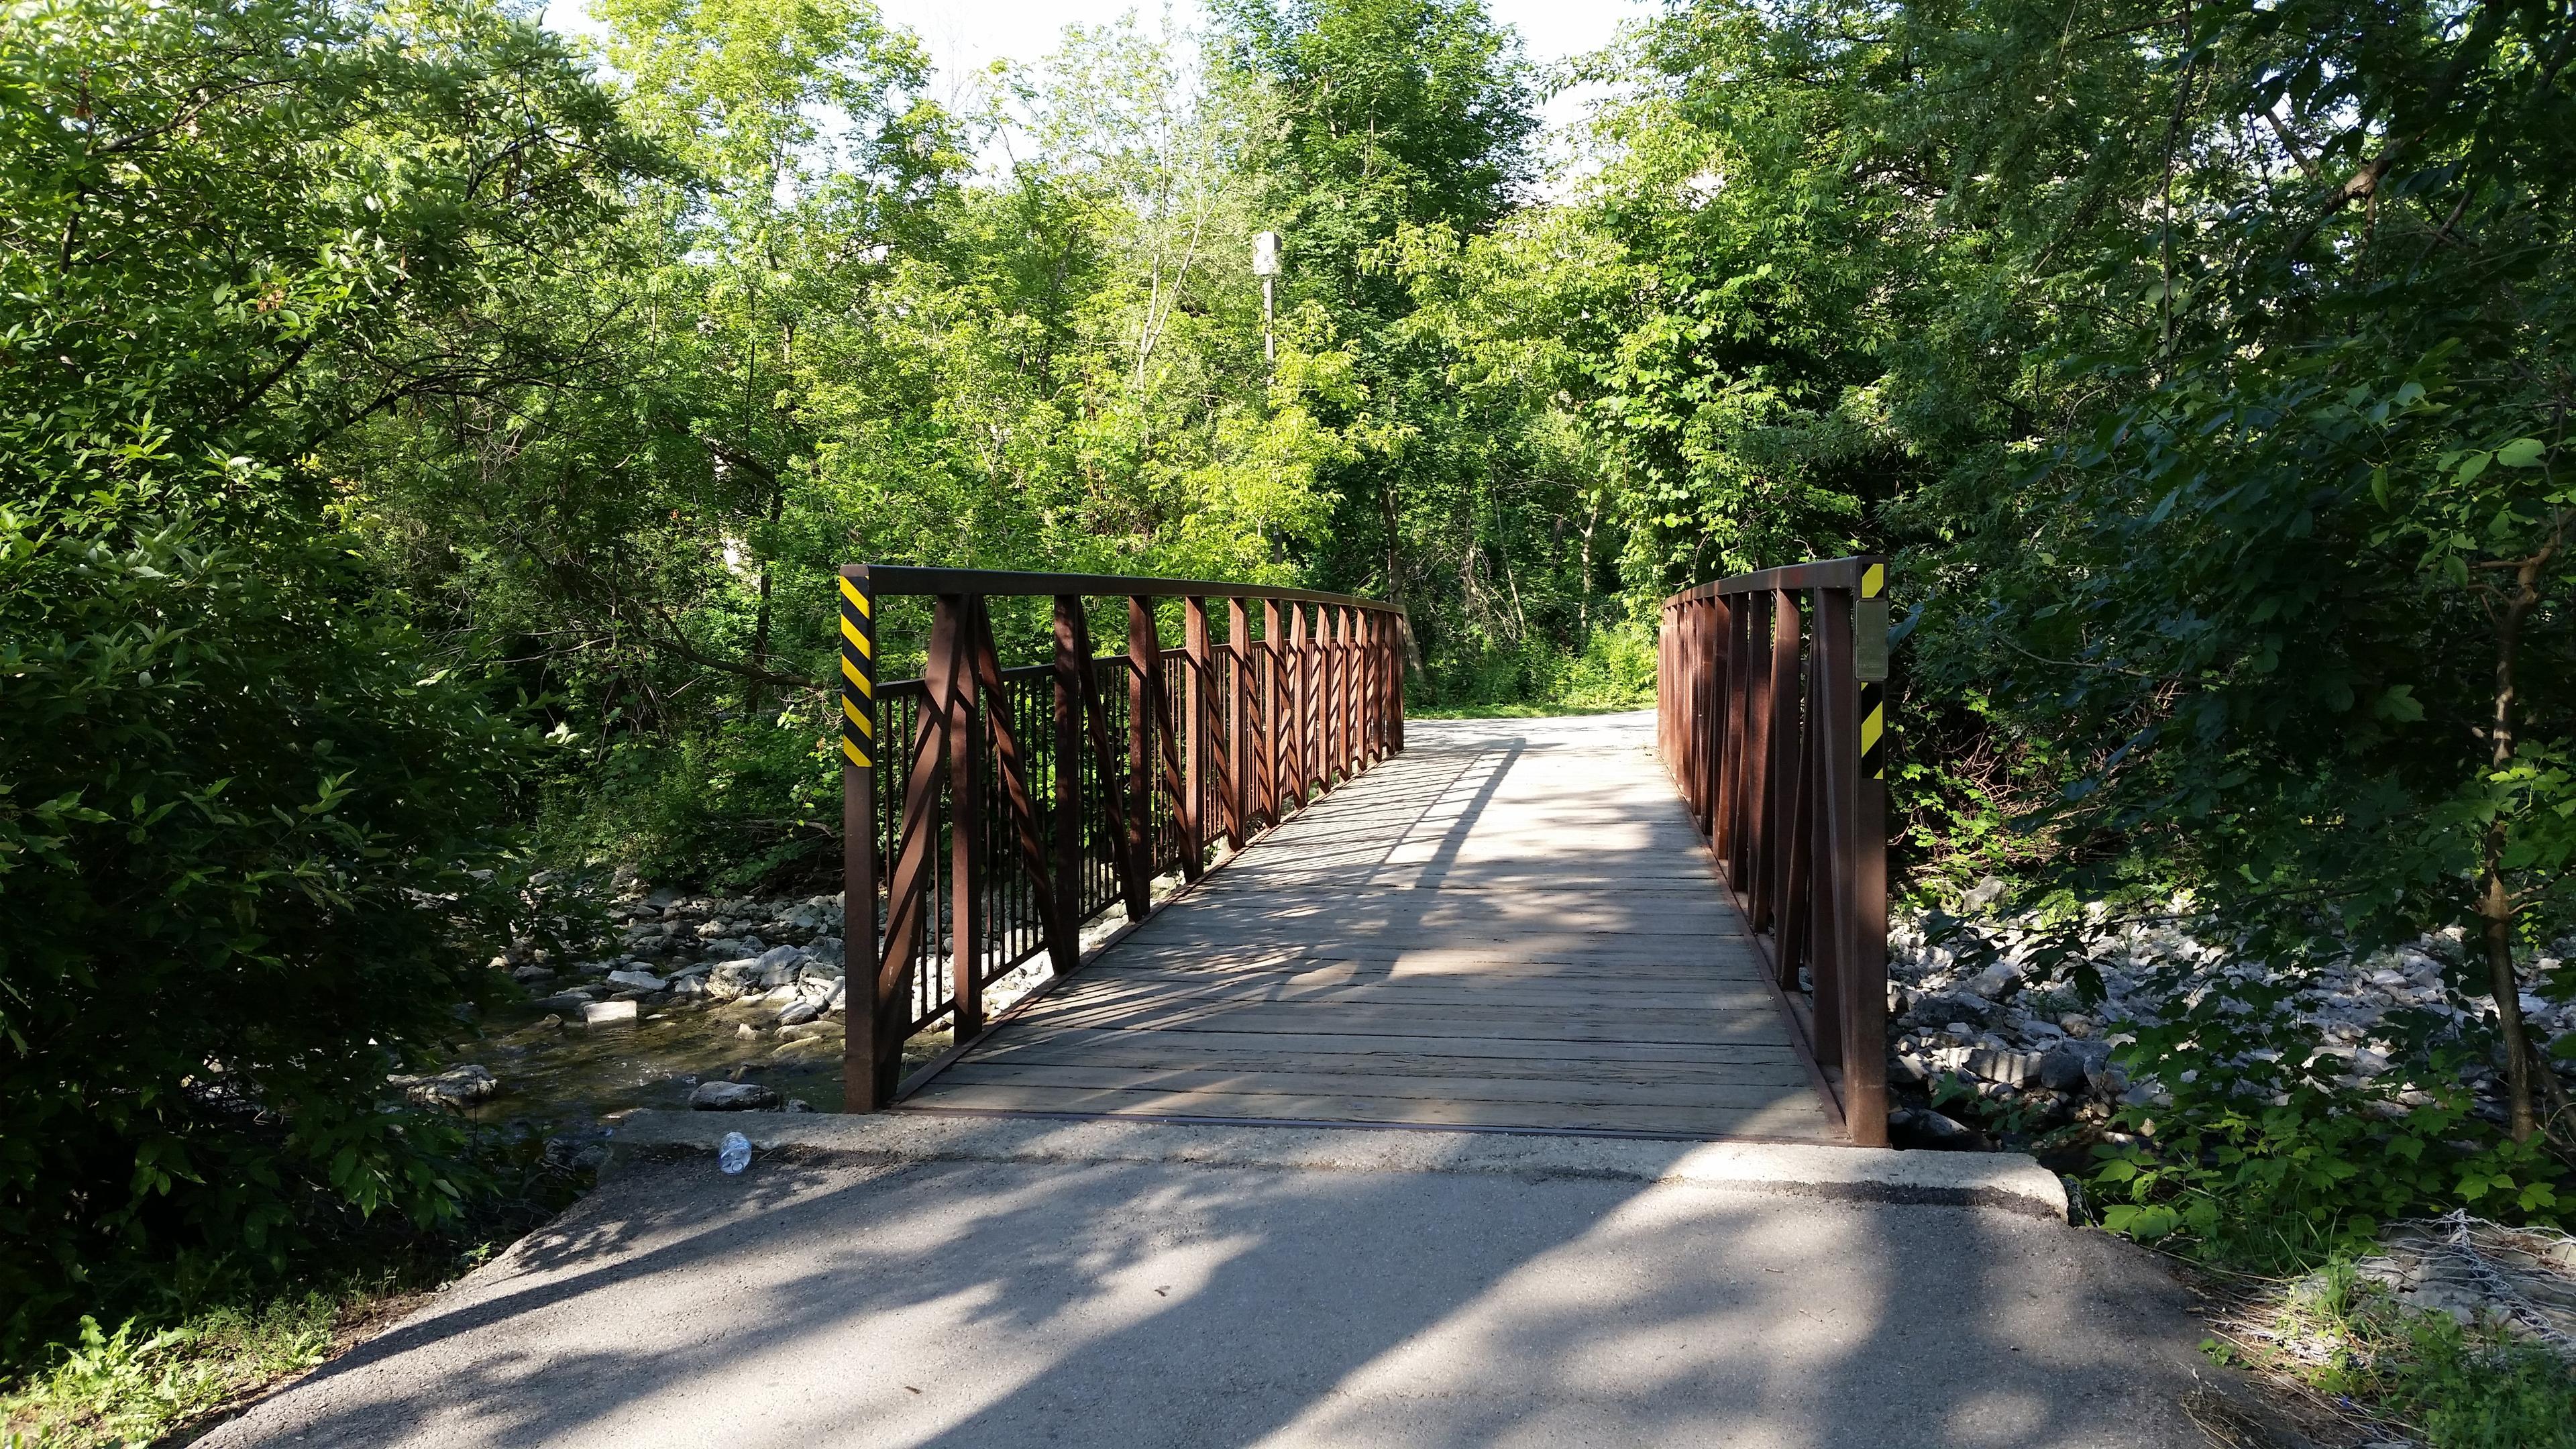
[250, 820]
[754, 807]
[132, 1386]
[239, 845]
[2460, 1387]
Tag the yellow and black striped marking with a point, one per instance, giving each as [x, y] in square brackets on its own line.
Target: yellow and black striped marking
[858, 677]
[1873, 694]
[1873, 731]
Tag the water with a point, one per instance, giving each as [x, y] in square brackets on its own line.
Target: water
[583, 1074]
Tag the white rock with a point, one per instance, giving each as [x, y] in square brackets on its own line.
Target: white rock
[637, 980]
[600, 1012]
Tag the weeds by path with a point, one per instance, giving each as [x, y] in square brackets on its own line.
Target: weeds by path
[136, 1385]
[2345, 1344]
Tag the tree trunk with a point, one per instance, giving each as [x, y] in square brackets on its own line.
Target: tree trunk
[760, 625]
[2495, 902]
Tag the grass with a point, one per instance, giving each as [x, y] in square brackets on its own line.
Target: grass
[2449, 1385]
[139, 1384]
[176, 1363]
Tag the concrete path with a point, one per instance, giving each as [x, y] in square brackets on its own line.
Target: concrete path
[1009, 1282]
[1511, 924]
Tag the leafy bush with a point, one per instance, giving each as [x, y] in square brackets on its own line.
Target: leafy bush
[744, 806]
[247, 859]
[2256, 1138]
[1616, 670]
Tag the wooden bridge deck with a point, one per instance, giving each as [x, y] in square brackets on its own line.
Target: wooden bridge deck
[1511, 925]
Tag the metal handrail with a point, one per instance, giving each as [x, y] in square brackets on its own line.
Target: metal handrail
[1005, 834]
[914, 581]
[1771, 715]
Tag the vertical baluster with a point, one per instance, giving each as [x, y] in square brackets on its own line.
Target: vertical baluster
[1072, 652]
[950, 676]
[1713, 758]
[1397, 625]
[1273, 734]
[1377, 684]
[1786, 701]
[1194, 730]
[1329, 680]
[1301, 704]
[1757, 760]
[1343, 692]
[1144, 662]
[1241, 800]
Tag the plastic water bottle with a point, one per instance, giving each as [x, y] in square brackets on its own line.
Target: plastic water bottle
[734, 1153]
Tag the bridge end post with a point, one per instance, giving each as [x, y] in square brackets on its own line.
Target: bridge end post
[860, 948]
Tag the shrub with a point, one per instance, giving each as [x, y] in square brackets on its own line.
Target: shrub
[248, 857]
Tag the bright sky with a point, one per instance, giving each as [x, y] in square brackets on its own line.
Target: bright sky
[963, 35]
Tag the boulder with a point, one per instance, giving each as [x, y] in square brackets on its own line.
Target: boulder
[1946, 1010]
[460, 1086]
[2064, 1069]
[600, 1013]
[800, 1011]
[731, 1097]
[1924, 1128]
[1995, 982]
[634, 980]
[566, 1001]
[732, 979]
[779, 964]
[2012, 1069]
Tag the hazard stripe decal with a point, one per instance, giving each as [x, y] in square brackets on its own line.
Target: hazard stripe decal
[858, 677]
[1873, 731]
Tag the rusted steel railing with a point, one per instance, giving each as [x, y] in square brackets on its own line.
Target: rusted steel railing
[1771, 715]
[990, 812]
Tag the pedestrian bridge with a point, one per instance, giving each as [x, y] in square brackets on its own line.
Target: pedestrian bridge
[1623, 925]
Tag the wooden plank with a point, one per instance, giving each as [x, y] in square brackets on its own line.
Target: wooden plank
[1296, 1018]
[1562, 945]
[1310, 1082]
[1401, 970]
[1093, 989]
[1725, 960]
[1787, 1119]
[1140, 1051]
[1030, 1032]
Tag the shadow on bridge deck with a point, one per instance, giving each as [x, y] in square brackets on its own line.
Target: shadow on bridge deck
[1510, 926]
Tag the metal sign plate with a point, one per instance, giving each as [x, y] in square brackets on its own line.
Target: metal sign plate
[1869, 639]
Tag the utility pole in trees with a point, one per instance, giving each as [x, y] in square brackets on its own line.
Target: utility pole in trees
[1265, 265]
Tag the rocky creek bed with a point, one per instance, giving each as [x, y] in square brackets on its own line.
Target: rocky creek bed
[718, 1003]
[1973, 1013]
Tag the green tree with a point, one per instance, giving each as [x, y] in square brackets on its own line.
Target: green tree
[247, 824]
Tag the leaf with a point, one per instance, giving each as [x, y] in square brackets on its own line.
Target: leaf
[2520, 453]
[2399, 704]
